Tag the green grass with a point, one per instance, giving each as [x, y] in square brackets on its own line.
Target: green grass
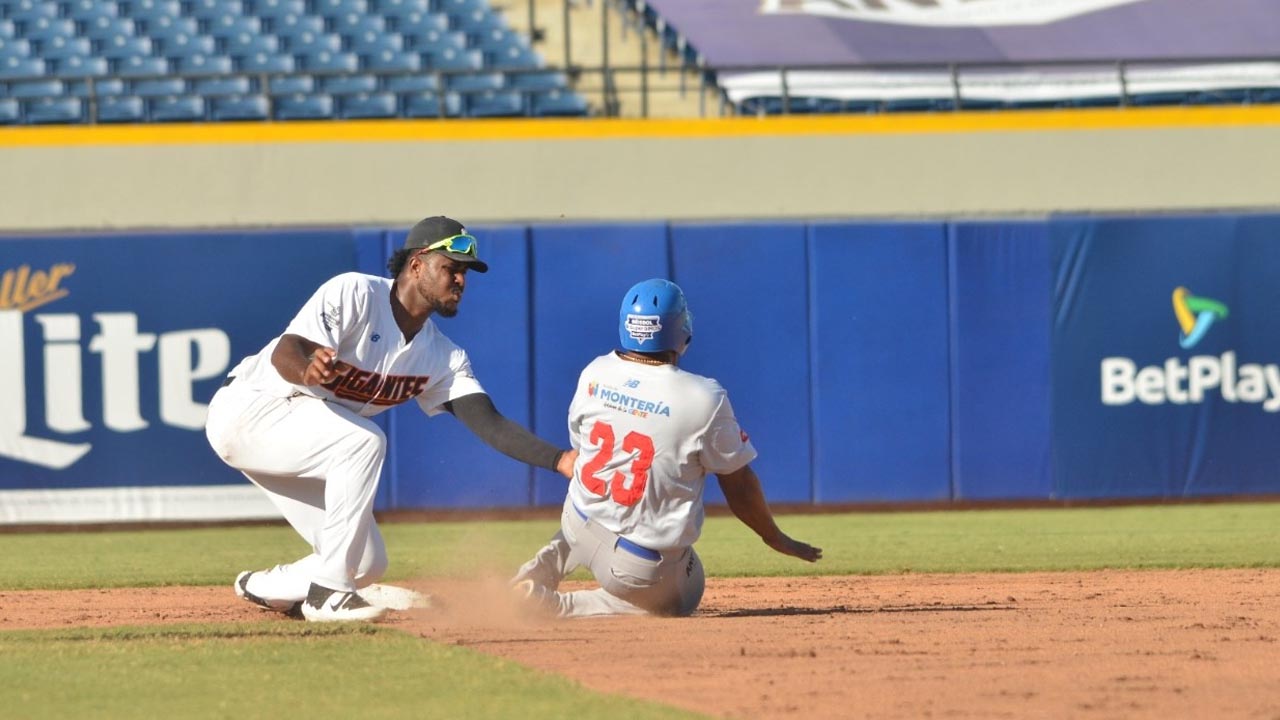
[1210, 535]
[279, 670]
[273, 670]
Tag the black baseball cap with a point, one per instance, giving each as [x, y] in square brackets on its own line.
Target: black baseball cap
[432, 230]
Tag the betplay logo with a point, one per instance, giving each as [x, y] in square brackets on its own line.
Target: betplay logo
[1190, 383]
[946, 13]
[121, 347]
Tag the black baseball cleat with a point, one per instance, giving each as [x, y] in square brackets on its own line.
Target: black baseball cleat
[241, 586]
[326, 605]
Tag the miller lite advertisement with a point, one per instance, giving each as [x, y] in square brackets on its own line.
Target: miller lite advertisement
[111, 347]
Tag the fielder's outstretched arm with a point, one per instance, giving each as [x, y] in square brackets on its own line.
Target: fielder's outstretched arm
[477, 412]
[746, 499]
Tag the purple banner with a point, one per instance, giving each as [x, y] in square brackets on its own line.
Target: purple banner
[866, 32]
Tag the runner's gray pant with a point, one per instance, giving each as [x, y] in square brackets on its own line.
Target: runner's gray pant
[633, 580]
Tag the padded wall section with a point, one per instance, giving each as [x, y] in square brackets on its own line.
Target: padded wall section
[1000, 283]
[879, 362]
[580, 273]
[1165, 351]
[437, 461]
[748, 291]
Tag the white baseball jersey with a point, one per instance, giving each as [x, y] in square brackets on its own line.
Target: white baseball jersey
[647, 437]
[351, 313]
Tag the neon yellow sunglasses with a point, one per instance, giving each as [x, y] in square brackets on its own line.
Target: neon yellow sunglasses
[463, 244]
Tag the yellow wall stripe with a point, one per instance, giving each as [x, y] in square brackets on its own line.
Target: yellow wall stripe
[581, 129]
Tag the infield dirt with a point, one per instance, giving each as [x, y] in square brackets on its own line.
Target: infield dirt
[1108, 644]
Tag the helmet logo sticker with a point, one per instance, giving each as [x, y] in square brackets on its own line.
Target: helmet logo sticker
[643, 327]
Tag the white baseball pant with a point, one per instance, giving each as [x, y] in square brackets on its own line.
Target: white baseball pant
[319, 463]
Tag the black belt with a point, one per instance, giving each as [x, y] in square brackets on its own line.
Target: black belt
[625, 544]
[230, 379]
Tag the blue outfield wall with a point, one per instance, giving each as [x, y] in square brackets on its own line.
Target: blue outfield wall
[1063, 357]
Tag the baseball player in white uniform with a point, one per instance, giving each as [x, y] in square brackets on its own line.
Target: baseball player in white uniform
[294, 418]
[647, 433]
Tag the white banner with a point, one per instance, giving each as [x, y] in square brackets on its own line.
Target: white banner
[135, 504]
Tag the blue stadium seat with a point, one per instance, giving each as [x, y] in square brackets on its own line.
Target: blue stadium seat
[184, 45]
[292, 85]
[43, 29]
[450, 59]
[151, 9]
[897, 105]
[400, 8]
[370, 42]
[355, 23]
[176, 108]
[139, 66]
[334, 8]
[204, 65]
[25, 89]
[15, 67]
[392, 61]
[436, 41]
[28, 10]
[40, 111]
[310, 43]
[294, 24]
[9, 111]
[458, 7]
[367, 106]
[164, 26]
[158, 87]
[348, 84]
[276, 8]
[558, 103]
[61, 48]
[219, 86]
[514, 57]
[1224, 96]
[427, 104]
[15, 47]
[1176, 97]
[1097, 101]
[245, 43]
[330, 62]
[123, 46]
[86, 11]
[121, 108]
[103, 29]
[476, 81]
[476, 22]
[7, 28]
[227, 26]
[304, 107]
[1264, 96]
[241, 107]
[495, 103]
[411, 83]
[539, 80]
[415, 23]
[81, 67]
[96, 87]
[499, 38]
[263, 62]
[211, 10]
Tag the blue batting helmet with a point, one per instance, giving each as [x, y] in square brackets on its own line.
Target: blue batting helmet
[655, 317]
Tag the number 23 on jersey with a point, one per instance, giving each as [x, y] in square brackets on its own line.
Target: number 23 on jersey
[603, 437]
